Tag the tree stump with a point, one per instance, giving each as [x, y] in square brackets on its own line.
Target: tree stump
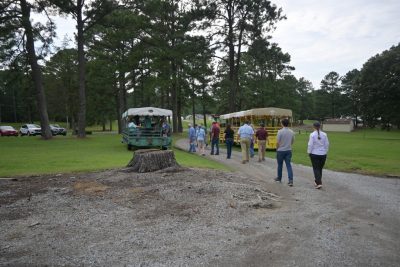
[150, 160]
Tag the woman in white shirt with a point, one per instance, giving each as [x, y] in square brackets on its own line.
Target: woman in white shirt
[318, 146]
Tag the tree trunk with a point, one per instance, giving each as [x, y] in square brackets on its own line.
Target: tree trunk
[150, 160]
[14, 106]
[204, 104]
[36, 72]
[174, 97]
[118, 107]
[121, 92]
[193, 105]
[231, 60]
[81, 67]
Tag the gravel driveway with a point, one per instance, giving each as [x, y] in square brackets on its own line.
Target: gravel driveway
[194, 217]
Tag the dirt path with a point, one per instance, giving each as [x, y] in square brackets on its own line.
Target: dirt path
[196, 217]
[353, 221]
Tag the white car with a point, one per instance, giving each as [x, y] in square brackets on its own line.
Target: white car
[30, 129]
[57, 130]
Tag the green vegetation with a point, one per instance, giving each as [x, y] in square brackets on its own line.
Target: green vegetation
[364, 151]
[368, 151]
[31, 155]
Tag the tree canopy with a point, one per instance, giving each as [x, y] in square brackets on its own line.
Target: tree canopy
[188, 56]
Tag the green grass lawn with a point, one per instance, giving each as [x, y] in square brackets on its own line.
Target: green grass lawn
[366, 151]
[31, 155]
[370, 151]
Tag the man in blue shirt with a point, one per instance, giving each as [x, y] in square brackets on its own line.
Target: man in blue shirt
[245, 133]
[192, 138]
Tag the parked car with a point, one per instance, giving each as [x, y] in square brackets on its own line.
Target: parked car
[30, 129]
[8, 131]
[57, 130]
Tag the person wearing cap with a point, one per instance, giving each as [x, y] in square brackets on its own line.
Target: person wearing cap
[245, 133]
[317, 149]
[261, 140]
[285, 139]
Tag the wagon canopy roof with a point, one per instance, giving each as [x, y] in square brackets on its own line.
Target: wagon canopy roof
[147, 111]
[270, 111]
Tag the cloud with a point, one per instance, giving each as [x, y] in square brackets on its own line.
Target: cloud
[324, 36]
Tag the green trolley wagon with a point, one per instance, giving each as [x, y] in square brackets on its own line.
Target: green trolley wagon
[146, 127]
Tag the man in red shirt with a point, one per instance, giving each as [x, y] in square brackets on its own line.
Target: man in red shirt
[261, 139]
[215, 138]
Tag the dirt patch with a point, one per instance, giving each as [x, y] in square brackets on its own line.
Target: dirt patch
[189, 217]
[89, 187]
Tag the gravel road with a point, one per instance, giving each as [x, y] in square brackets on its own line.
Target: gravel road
[353, 221]
[195, 217]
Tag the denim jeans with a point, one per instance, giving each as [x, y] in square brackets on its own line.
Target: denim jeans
[215, 142]
[229, 144]
[287, 157]
[251, 148]
[192, 147]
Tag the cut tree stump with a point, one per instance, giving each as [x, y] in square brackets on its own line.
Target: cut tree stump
[150, 160]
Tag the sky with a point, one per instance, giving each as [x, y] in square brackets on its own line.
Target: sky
[330, 35]
[325, 35]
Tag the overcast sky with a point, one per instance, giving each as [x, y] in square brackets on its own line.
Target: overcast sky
[331, 35]
[326, 35]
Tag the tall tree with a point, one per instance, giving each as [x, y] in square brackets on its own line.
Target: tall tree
[304, 89]
[115, 42]
[237, 24]
[350, 87]
[61, 80]
[380, 88]
[86, 16]
[17, 93]
[15, 19]
[262, 66]
[330, 84]
[170, 24]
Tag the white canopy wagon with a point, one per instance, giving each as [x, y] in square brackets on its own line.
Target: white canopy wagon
[146, 127]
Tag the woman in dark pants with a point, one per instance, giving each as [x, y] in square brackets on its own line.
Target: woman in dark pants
[318, 146]
[228, 140]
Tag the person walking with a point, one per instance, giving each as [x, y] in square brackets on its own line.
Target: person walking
[215, 130]
[285, 139]
[196, 130]
[229, 133]
[245, 134]
[201, 137]
[252, 140]
[317, 149]
[192, 138]
[261, 140]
